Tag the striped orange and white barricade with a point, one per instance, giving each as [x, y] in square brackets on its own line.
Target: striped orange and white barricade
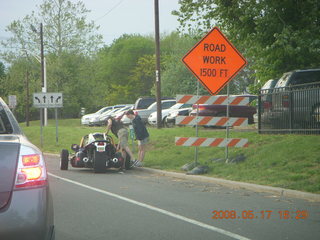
[218, 99]
[211, 121]
[211, 142]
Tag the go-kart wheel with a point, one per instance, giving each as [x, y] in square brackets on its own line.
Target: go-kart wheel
[99, 162]
[64, 159]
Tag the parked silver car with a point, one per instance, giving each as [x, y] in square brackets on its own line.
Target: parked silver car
[85, 120]
[144, 113]
[26, 209]
[101, 120]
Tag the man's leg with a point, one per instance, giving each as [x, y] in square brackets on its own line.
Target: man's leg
[141, 152]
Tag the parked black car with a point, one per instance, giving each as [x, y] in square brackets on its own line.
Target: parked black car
[26, 209]
[296, 99]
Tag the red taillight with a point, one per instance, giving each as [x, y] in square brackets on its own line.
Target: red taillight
[30, 160]
[267, 105]
[285, 101]
[200, 107]
[31, 171]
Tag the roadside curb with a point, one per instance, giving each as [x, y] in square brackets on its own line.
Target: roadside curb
[281, 192]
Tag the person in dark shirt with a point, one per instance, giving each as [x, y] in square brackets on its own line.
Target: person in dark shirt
[121, 132]
[141, 134]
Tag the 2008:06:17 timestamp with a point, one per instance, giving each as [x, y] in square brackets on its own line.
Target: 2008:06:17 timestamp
[264, 214]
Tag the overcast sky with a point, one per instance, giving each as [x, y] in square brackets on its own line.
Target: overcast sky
[115, 17]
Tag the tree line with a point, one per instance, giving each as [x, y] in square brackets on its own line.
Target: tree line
[274, 36]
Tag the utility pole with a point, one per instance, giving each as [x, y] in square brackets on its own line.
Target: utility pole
[27, 100]
[158, 82]
[43, 111]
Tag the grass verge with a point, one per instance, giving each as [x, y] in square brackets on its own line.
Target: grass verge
[287, 161]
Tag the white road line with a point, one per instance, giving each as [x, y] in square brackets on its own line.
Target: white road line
[165, 212]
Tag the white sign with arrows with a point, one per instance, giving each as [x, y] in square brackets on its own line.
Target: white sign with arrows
[47, 100]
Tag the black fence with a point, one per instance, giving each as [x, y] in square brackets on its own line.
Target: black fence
[294, 109]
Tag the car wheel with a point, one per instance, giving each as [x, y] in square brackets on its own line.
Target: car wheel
[64, 159]
[99, 162]
[168, 124]
[164, 121]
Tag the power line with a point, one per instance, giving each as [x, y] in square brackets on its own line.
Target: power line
[109, 11]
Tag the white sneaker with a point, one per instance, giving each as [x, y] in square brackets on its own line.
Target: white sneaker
[133, 163]
[139, 164]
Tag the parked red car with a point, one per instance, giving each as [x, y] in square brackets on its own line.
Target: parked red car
[221, 110]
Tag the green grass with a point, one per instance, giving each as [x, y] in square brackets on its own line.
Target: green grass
[288, 161]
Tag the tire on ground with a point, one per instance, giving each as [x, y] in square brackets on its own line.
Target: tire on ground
[64, 159]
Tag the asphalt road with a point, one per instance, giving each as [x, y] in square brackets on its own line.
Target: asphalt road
[142, 205]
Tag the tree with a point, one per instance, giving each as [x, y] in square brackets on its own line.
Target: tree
[117, 67]
[176, 77]
[65, 29]
[2, 78]
[275, 36]
[70, 43]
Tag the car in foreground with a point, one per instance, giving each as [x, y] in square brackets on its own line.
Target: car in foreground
[152, 119]
[216, 110]
[26, 208]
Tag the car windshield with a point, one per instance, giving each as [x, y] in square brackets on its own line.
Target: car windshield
[102, 110]
[176, 106]
[282, 81]
[152, 106]
[269, 84]
[180, 105]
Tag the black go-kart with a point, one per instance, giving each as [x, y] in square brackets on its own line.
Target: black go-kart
[96, 151]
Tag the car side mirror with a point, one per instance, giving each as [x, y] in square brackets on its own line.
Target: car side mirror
[75, 147]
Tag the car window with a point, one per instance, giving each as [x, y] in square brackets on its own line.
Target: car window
[143, 103]
[186, 105]
[305, 77]
[166, 105]
[2, 128]
[5, 125]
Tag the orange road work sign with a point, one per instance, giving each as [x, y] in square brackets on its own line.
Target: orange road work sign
[214, 61]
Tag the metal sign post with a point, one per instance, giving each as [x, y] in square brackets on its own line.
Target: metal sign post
[197, 129]
[227, 127]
